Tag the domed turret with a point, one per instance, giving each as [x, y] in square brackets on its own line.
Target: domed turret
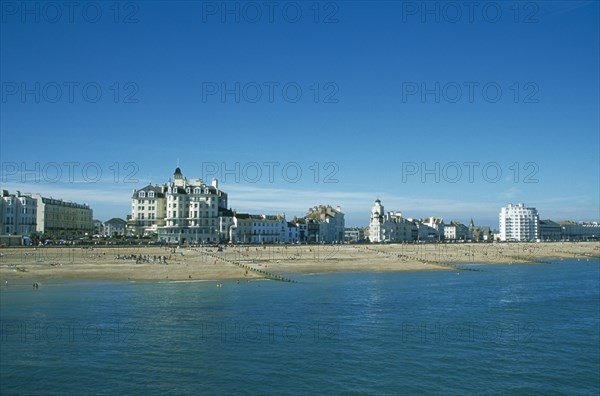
[377, 208]
[177, 174]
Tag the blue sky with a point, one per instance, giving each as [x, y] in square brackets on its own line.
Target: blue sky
[435, 108]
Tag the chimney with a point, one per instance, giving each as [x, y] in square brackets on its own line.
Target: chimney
[215, 183]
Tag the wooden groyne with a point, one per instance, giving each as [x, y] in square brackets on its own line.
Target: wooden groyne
[263, 273]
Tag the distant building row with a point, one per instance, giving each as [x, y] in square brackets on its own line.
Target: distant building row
[519, 223]
[393, 227]
[24, 214]
[516, 223]
[190, 211]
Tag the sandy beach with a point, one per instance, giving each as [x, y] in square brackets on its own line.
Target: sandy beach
[279, 262]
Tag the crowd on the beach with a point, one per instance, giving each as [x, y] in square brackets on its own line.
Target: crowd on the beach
[139, 259]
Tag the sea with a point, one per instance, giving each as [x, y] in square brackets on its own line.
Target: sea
[483, 329]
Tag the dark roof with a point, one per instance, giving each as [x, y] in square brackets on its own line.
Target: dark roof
[157, 191]
[115, 220]
[225, 212]
[549, 222]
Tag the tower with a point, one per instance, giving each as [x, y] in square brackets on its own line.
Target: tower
[376, 222]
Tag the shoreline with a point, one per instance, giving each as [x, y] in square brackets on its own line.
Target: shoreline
[278, 262]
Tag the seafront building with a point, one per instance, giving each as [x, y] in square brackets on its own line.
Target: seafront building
[18, 214]
[115, 227]
[457, 231]
[580, 231]
[261, 228]
[550, 231]
[192, 211]
[25, 214]
[519, 223]
[251, 228]
[180, 211]
[148, 210]
[354, 234]
[302, 227]
[98, 227]
[62, 219]
[291, 233]
[328, 224]
[391, 226]
[430, 229]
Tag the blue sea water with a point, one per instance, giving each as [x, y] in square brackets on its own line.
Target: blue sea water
[506, 329]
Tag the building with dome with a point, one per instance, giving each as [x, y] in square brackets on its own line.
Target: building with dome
[391, 226]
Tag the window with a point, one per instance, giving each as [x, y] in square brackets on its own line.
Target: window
[151, 194]
[142, 194]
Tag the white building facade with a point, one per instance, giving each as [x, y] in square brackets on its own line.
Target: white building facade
[457, 231]
[328, 224]
[148, 210]
[115, 227]
[18, 214]
[519, 223]
[250, 228]
[390, 227]
[192, 211]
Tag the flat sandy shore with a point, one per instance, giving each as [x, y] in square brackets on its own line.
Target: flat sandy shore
[254, 262]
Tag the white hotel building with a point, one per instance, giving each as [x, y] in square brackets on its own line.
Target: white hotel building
[192, 211]
[518, 223]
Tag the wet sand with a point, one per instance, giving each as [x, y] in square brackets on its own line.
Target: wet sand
[269, 261]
